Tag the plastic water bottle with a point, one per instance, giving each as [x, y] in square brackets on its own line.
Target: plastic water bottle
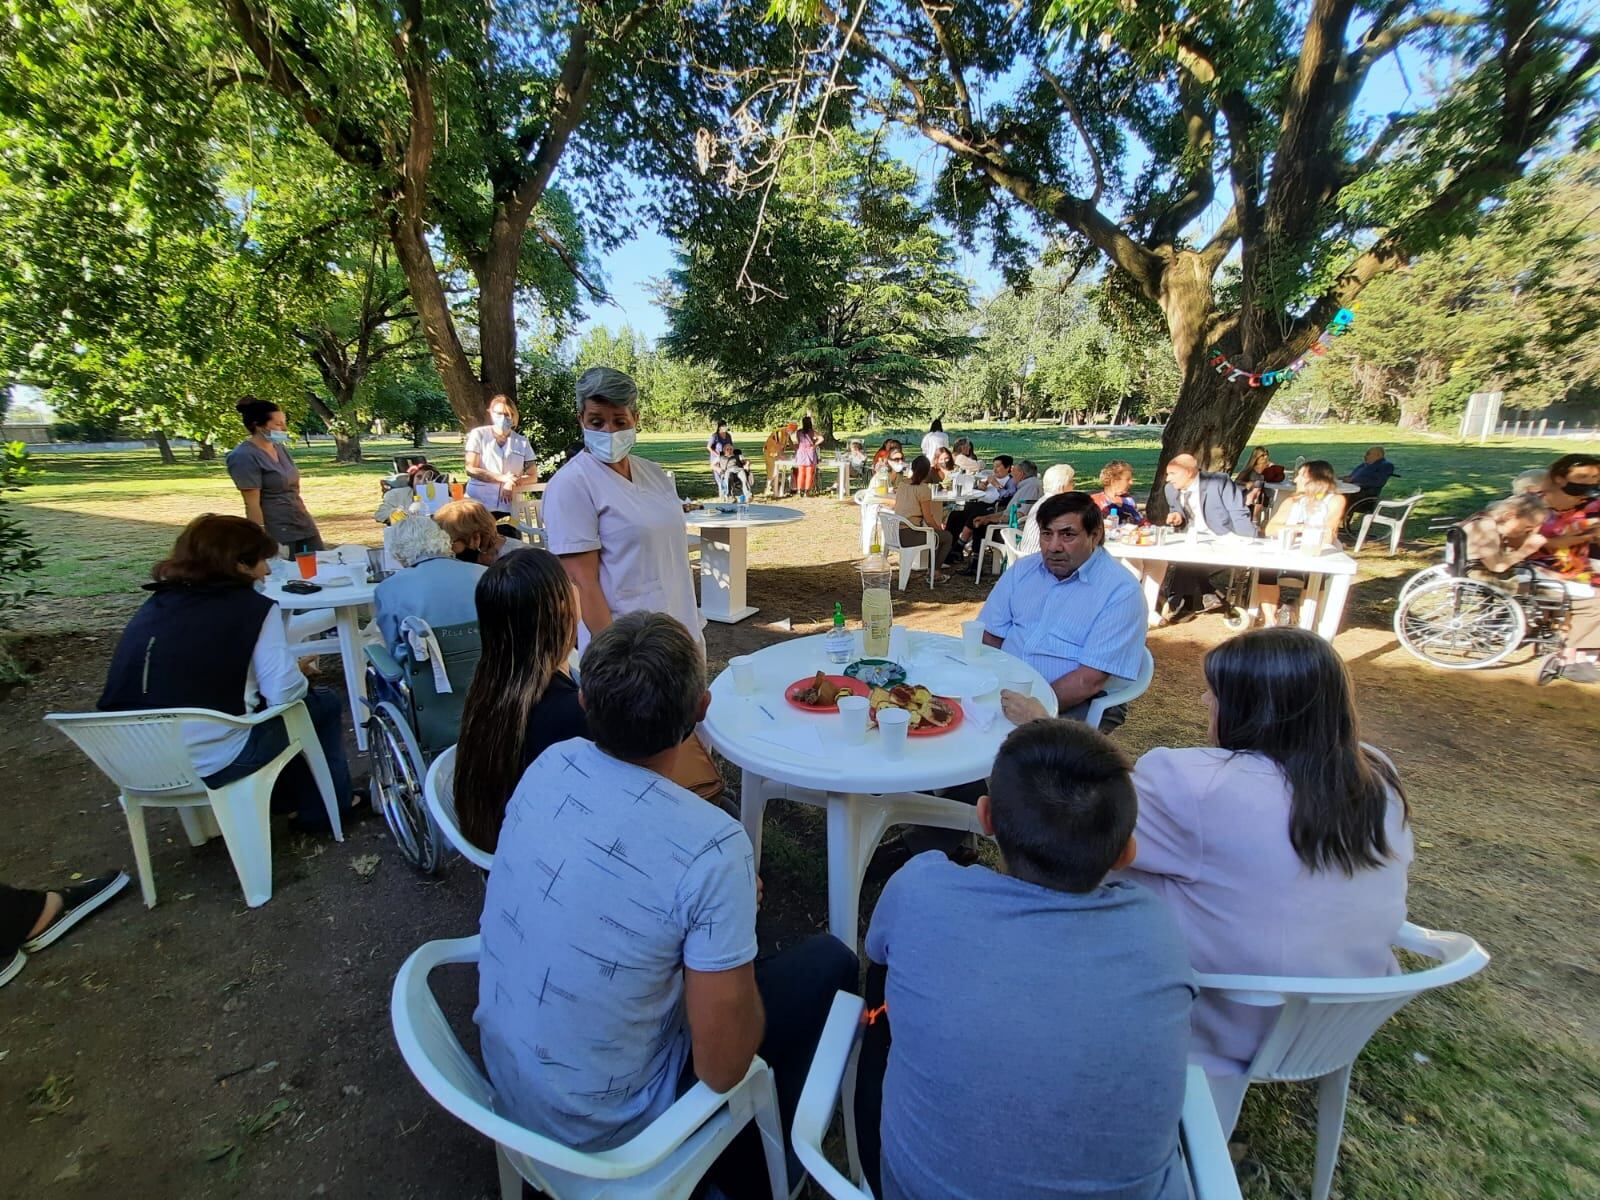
[1113, 525]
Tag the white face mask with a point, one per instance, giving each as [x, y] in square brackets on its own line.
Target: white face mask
[502, 423]
[609, 447]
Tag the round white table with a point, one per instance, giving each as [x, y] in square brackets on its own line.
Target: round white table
[346, 603]
[788, 754]
[725, 552]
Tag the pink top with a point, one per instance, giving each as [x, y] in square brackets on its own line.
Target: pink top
[1214, 842]
[805, 453]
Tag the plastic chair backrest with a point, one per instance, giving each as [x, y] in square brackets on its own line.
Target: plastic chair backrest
[439, 790]
[438, 715]
[1011, 535]
[138, 751]
[1323, 1023]
[1127, 692]
[1398, 509]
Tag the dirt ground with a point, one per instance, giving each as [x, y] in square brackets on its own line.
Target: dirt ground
[205, 1049]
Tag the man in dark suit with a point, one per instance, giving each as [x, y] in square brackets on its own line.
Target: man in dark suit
[1211, 502]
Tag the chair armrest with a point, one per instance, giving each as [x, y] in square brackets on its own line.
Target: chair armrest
[820, 1096]
[1204, 1148]
[380, 660]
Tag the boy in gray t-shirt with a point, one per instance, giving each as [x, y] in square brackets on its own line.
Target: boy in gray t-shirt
[619, 924]
[1039, 1015]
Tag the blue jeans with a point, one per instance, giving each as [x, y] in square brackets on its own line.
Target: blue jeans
[296, 789]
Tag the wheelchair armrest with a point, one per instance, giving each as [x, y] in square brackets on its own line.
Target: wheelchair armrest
[381, 661]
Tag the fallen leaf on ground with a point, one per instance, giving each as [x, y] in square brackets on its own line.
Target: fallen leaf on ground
[364, 865]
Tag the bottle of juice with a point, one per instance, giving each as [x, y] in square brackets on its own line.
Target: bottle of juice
[877, 610]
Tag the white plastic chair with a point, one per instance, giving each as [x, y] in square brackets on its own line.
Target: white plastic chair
[665, 1161]
[912, 556]
[1005, 543]
[1399, 512]
[831, 1083]
[1127, 691]
[439, 790]
[525, 516]
[145, 755]
[1323, 1025]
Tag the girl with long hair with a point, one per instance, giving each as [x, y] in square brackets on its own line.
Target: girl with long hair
[913, 500]
[805, 458]
[1313, 513]
[1281, 847]
[522, 699]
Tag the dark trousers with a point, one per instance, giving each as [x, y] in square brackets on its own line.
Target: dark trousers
[20, 909]
[296, 790]
[797, 988]
[961, 518]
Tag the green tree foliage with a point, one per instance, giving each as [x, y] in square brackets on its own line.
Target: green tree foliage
[673, 393]
[1046, 350]
[1115, 127]
[17, 554]
[1512, 309]
[832, 295]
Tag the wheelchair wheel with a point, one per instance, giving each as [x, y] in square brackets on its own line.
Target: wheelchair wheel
[398, 770]
[1460, 624]
[1237, 619]
[1355, 514]
[1423, 577]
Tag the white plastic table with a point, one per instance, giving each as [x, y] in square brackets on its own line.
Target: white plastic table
[724, 556]
[799, 756]
[1328, 574]
[346, 604]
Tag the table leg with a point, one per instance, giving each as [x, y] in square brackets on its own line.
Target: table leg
[1333, 606]
[753, 809]
[1311, 600]
[843, 487]
[855, 827]
[723, 558]
[355, 678]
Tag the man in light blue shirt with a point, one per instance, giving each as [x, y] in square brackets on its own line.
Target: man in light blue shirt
[1071, 612]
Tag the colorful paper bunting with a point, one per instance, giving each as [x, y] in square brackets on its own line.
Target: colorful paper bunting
[1338, 326]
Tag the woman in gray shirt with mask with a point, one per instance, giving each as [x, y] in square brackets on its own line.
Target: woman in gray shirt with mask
[268, 479]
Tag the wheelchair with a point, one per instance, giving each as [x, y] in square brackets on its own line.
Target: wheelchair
[1459, 616]
[411, 722]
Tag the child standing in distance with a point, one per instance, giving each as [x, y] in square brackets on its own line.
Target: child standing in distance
[1040, 1015]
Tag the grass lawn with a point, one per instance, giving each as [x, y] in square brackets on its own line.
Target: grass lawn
[104, 518]
[1489, 1089]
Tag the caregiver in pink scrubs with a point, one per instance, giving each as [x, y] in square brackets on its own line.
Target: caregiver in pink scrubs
[615, 519]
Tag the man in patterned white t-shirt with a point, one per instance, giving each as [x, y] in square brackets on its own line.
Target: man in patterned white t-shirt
[619, 924]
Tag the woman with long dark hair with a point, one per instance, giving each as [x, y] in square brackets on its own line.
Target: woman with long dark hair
[913, 500]
[1282, 847]
[805, 458]
[522, 699]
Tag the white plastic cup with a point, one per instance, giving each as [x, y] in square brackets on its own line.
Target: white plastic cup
[972, 640]
[744, 674]
[853, 714]
[1015, 677]
[1286, 539]
[893, 726]
[899, 644]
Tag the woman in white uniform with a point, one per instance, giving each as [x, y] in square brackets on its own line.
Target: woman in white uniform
[615, 520]
[499, 459]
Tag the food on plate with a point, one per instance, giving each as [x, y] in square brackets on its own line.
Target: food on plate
[823, 692]
[925, 708]
[876, 672]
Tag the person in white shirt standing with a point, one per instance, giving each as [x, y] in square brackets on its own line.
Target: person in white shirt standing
[935, 439]
[615, 520]
[500, 462]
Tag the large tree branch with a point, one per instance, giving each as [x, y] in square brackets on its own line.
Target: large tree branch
[958, 78]
[1199, 128]
[344, 137]
[411, 51]
[1076, 118]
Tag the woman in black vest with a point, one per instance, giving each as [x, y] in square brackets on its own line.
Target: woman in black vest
[207, 639]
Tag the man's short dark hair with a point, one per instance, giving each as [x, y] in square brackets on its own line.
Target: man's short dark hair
[1063, 805]
[642, 679]
[1005, 460]
[1063, 503]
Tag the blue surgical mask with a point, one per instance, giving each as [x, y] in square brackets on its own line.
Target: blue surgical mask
[502, 423]
[609, 447]
[279, 437]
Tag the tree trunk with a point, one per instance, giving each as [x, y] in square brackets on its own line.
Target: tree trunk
[1212, 420]
[346, 438]
[205, 452]
[419, 435]
[824, 423]
[163, 445]
[497, 322]
[1414, 408]
[461, 385]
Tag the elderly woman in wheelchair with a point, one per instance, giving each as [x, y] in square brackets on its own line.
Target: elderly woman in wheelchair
[418, 677]
[1494, 593]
